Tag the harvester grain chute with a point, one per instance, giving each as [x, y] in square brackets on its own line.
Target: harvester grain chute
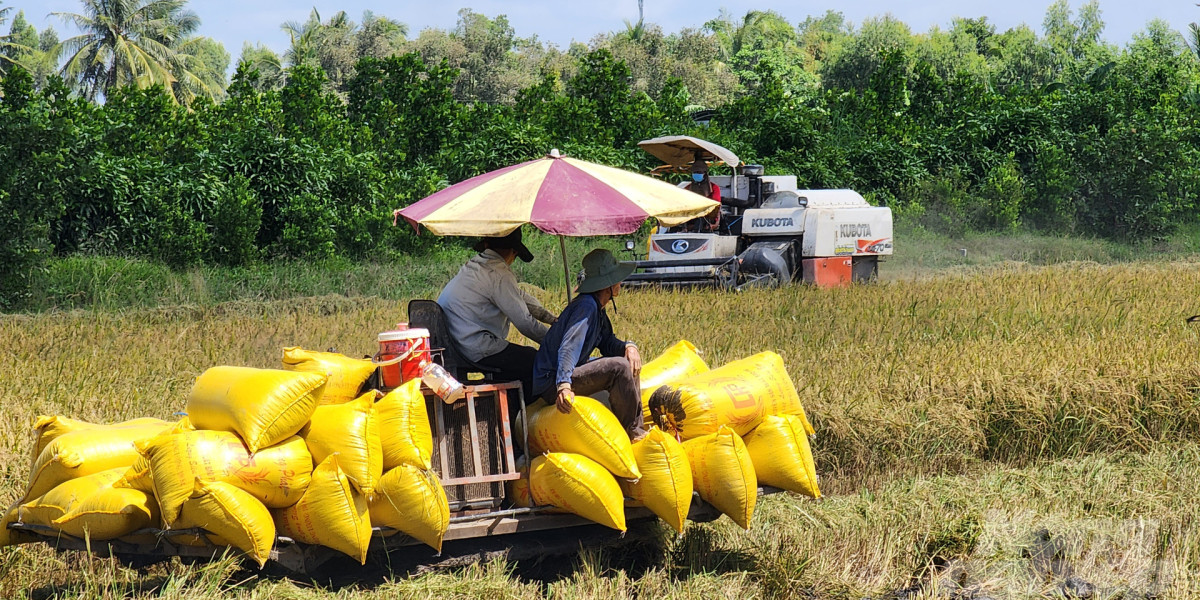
[769, 232]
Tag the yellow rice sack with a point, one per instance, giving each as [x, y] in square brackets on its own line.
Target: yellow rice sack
[350, 430]
[782, 456]
[737, 395]
[11, 537]
[109, 513]
[723, 474]
[517, 492]
[578, 485]
[331, 513]
[277, 476]
[66, 496]
[675, 364]
[412, 501]
[137, 477]
[788, 404]
[666, 484]
[264, 406]
[231, 516]
[46, 428]
[346, 375]
[404, 427]
[589, 430]
[87, 451]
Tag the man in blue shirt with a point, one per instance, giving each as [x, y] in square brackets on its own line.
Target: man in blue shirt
[561, 368]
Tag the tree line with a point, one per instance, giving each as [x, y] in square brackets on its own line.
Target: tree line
[304, 154]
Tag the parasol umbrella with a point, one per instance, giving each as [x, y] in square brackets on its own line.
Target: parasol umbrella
[558, 195]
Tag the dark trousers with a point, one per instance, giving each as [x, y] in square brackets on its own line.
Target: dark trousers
[515, 362]
[614, 375]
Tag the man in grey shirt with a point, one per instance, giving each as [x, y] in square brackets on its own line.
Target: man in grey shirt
[483, 299]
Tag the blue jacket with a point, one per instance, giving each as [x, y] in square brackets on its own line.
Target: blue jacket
[582, 327]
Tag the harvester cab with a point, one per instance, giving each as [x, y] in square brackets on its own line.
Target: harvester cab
[769, 231]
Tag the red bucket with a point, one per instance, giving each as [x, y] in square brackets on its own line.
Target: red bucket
[403, 353]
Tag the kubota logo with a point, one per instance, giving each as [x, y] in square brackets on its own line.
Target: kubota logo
[772, 222]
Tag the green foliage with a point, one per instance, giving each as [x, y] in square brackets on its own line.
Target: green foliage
[959, 130]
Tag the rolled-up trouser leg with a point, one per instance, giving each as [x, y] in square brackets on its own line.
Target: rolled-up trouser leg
[614, 375]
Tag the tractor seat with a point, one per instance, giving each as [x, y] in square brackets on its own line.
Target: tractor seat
[429, 315]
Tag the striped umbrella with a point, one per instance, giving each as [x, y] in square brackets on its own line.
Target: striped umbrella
[558, 195]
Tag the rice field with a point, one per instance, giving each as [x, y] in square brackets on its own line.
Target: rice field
[1006, 432]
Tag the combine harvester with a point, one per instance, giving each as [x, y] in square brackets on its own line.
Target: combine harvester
[769, 232]
[474, 458]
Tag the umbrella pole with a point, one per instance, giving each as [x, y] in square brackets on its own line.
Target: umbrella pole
[562, 245]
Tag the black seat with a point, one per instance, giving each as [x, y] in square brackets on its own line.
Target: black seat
[428, 314]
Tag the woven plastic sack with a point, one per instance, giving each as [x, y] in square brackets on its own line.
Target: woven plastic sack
[412, 501]
[346, 375]
[350, 430]
[264, 406]
[404, 427]
[788, 404]
[666, 484]
[737, 395]
[782, 456]
[589, 430]
[87, 451]
[138, 476]
[109, 513]
[578, 485]
[723, 474]
[65, 496]
[12, 537]
[675, 364]
[46, 428]
[232, 517]
[331, 513]
[276, 476]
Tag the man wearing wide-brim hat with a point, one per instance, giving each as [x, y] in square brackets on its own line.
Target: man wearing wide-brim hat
[561, 368]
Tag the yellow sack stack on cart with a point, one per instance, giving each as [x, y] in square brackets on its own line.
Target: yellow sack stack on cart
[675, 364]
[782, 456]
[331, 513]
[87, 451]
[404, 426]
[736, 395]
[233, 518]
[277, 476]
[350, 430]
[724, 474]
[346, 375]
[578, 485]
[263, 406]
[589, 430]
[412, 501]
[64, 497]
[666, 484]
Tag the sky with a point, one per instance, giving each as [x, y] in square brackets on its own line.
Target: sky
[560, 22]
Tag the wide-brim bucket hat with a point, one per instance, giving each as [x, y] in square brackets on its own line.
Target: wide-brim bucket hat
[601, 269]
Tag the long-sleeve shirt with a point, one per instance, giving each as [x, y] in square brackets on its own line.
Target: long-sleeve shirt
[581, 328]
[482, 300]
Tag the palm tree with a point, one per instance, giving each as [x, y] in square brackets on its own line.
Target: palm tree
[757, 29]
[132, 42]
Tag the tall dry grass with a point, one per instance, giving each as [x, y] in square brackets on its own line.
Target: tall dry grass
[955, 415]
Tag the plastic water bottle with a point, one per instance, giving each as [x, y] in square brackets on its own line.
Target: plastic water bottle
[438, 379]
